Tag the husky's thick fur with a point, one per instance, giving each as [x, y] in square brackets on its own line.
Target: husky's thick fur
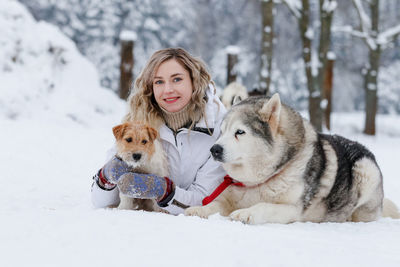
[232, 91]
[291, 172]
[138, 146]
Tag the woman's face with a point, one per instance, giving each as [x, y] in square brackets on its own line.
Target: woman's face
[172, 86]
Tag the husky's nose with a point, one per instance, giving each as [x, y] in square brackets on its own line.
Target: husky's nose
[217, 152]
[136, 156]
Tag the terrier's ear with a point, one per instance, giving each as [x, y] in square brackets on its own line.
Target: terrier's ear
[119, 130]
[270, 112]
[236, 99]
[152, 133]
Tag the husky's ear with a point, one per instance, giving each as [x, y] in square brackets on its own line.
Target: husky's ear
[152, 133]
[271, 111]
[236, 99]
[119, 130]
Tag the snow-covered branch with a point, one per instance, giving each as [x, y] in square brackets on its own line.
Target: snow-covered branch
[381, 39]
[371, 42]
[389, 35]
[294, 6]
[364, 19]
[329, 6]
[348, 29]
[365, 23]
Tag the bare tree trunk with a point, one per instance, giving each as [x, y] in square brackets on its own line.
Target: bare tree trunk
[314, 98]
[371, 77]
[126, 67]
[326, 15]
[371, 103]
[267, 45]
[327, 91]
[231, 68]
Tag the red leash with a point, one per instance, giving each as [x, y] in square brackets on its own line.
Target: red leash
[227, 182]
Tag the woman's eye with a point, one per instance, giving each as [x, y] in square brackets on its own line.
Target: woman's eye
[158, 82]
[239, 132]
[129, 139]
[177, 79]
[144, 142]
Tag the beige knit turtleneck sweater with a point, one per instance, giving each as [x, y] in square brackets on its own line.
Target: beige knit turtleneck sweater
[179, 119]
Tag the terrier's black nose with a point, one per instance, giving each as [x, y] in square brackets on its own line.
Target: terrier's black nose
[136, 156]
[217, 151]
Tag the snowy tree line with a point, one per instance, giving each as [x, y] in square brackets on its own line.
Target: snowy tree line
[318, 58]
[207, 27]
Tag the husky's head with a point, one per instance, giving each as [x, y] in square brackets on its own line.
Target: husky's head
[259, 136]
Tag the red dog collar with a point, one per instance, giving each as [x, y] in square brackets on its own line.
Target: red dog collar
[227, 182]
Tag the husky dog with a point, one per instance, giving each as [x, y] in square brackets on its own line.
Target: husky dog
[289, 171]
[138, 146]
[234, 89]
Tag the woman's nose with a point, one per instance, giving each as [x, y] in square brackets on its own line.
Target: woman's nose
[168, 87]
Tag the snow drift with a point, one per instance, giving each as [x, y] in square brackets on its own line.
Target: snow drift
[43, 75]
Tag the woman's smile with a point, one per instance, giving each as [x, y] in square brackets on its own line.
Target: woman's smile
[171, 99]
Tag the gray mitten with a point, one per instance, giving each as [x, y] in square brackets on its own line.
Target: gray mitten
[112, 172]
[147, 186]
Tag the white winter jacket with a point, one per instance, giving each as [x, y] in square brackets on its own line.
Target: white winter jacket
[191, 166]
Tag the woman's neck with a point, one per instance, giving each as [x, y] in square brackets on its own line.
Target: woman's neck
[176, 120]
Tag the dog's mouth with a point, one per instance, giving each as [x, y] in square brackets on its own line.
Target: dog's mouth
[236, 162]
[218, 158]
[133, 164]
[134, 160]
[219, 154]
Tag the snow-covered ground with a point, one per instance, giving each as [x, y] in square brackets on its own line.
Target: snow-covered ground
[47, 218]
[53, 140]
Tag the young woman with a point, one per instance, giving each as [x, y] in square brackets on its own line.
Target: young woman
[175, 92]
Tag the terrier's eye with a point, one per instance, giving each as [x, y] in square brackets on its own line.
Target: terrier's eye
[239, 132]
[129, 139]
[144, 142]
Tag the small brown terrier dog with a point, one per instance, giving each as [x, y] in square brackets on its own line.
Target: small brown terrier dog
[138, 146]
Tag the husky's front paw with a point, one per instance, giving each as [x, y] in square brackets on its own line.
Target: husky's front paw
[200, 211]
[244, 216]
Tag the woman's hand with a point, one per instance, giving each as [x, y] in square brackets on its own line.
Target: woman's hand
[136, 185]
[147, 186]
[112, 172]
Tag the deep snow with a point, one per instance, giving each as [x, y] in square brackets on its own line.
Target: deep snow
[53, 141]
[47, 218]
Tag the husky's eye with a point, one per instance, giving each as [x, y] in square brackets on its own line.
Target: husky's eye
[129, 139]
[239, 132]
[144, 142]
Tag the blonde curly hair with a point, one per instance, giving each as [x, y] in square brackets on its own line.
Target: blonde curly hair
[142, 103]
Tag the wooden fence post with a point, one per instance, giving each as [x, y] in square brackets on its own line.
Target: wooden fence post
[127, 60]
[232, 52]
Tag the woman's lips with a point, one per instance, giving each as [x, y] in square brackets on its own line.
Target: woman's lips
[171, 100]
